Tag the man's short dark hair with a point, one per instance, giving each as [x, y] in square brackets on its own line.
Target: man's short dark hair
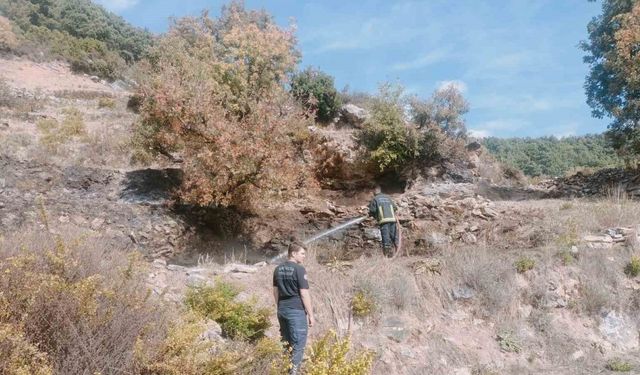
[295, 247]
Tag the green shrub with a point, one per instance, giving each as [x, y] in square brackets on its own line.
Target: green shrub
[632, 269]
[55, 134]
[19, 357]
[362, 304]
[316, 91]
[525, 264]
[508, 342]
[391, 144]
[330, 355]
[566, 257]
[618, 365]
[72, 306]
[106, 103]
[238, 320]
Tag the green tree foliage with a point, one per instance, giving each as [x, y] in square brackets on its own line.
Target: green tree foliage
[391, 143]
[396, 144]
[550, 156]
[444, 109]
[92, 39]
[316, 91]
[613, 83]
[213, 90]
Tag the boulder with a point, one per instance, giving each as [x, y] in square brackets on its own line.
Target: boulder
[619, 330]
[352, 115]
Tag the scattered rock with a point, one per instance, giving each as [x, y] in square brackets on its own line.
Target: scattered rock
[619, 330]
[240, 268]
[372, 234]
[97, 223]
[394, 329]
[212, 332]
[176, 268]
[159, 263]
[462, 293]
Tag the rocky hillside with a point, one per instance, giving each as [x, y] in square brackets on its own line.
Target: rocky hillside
[492, 279]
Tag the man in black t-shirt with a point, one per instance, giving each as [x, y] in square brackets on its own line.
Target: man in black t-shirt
[291, 293]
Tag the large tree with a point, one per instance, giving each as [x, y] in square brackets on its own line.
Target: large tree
[213, 91]
[613, 83]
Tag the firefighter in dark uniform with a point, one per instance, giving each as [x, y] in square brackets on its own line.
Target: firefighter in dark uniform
[384, 210]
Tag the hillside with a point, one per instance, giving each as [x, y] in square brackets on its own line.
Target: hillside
[141, 219]
[553, 157]
[485, 287]
[90, 38]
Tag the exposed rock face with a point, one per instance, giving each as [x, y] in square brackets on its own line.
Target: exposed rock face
[353, 116]
[601, 183]
[619, 330]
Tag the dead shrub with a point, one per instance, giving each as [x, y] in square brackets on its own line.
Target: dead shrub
[600, 283]
[490, 274]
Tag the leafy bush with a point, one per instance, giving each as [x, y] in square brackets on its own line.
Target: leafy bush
[213, 92]
[106, 103]
[81, 305]
[238, 320]
[362, 304]
[330, 356]
[19, 356]
[618, 365]
[391, 144]
[525, 264]
[8, 39]
[316, 91]
[508, 342]
[443, 110]
[632, 269]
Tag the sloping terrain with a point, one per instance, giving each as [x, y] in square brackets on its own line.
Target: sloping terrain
[492, 280]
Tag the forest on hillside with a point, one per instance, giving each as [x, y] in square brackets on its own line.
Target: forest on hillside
[551, 156]
[92, 39]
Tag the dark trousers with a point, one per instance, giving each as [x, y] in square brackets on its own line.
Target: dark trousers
[389, 240]
[293, 329]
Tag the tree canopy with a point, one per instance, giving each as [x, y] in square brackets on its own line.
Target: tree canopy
[213, 90]
[550, 156]
[92, 39]
[613, 83]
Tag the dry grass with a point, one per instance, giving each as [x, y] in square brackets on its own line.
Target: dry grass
[83, 94]
[489, 274]
[600, 284]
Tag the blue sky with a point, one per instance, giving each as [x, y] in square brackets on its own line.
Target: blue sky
[516, 60]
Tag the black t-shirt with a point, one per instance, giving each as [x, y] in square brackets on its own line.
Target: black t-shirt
[289, 278]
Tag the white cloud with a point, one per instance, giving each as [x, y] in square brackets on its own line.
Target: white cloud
[479, 133]
[117, 5]
[460, 85]
[421, 62]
